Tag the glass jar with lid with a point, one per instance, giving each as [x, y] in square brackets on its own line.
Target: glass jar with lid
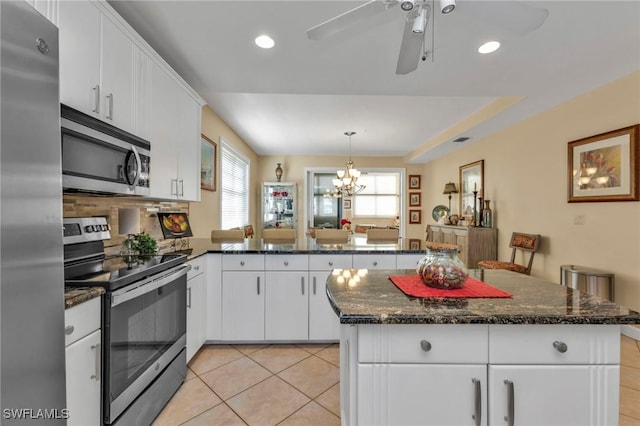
[441, 267]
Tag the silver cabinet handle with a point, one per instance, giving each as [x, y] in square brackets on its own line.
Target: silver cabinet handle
[96, 372]
[68, 330]
[302, 285]
[477, 416]
[189, 298]
[375, 263]
[96, 95]
[196, 268]
[314, 285]
[510, 417]
[258, 285]
[330, 263]
[181, 194]
[110, 109]
[286, 263]
[242, 263]
[560, 346]
[425, 345]
[176, 191]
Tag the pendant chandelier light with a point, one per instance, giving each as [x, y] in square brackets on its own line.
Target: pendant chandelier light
[346, 181]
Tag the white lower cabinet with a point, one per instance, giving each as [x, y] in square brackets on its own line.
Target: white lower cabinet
[243, 295]
[83, 363]
[324, 323]
[287, 305]
[196, 305]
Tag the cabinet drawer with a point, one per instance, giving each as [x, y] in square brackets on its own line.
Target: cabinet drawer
[197, 267]
[423, 343]
[82, 320]
[408, 261]
[327, 262]
[243, 262]
[544, 344]
[286, 262]
[374, 261]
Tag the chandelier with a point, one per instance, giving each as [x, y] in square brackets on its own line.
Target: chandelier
[346, 182]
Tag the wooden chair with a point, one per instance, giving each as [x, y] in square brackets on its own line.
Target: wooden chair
[227, 235]
[526, 243]
[278, 236]
[331, 236]
[382, 235]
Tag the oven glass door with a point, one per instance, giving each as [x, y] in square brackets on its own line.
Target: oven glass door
[141, 331]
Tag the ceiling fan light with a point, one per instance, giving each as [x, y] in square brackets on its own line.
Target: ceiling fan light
[488, 47]
[407, 5]
[447, 6]
[265, 42]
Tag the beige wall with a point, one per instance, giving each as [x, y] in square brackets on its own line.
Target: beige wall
[526, 181]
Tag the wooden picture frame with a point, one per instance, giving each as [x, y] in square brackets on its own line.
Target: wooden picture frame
[208, 164]
[415, 244]
[415, 181]
[471, 178]
[346, 204]
[604, 167]
[415, 199]
[415, 216]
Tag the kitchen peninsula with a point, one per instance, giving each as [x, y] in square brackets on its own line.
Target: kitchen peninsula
[547, 355]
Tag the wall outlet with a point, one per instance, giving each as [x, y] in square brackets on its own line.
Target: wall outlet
[578, 220]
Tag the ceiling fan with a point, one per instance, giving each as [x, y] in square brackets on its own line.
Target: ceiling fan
[511, 15]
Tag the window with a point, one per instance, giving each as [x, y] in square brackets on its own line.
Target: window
[234, 197]
[380, 198]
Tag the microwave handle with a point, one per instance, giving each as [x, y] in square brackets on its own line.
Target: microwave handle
[133, 151]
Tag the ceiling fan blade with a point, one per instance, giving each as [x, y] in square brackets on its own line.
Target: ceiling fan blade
[411, 47]
[347, 19]
[513, 16]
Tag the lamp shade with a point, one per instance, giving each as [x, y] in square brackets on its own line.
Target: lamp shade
[129, 221]
[450, 188]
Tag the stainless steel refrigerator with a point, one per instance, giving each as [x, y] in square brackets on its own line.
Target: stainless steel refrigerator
[32, 374]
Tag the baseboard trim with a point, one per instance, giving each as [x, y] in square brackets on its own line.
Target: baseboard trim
[630, 331]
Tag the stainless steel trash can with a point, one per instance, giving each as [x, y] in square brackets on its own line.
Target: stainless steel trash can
[592, 281]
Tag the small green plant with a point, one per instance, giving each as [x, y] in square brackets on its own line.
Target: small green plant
[144, 243]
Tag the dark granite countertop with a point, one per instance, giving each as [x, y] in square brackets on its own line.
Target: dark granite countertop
[76, 296]
[199, 246]
[376, 300]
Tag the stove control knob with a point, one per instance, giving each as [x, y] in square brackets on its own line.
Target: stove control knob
[88, 229]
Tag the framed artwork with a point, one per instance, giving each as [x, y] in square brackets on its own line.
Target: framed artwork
[604, 167]
[415, 216]
[175, 225]
[347, 204]
[415, 199]
[414, 181]
[208, 158]
[414, 244]
[471, 178]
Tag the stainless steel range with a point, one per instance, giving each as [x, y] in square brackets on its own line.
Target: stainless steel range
[143, 321]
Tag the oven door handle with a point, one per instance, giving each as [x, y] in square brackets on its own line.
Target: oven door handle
[149, 285]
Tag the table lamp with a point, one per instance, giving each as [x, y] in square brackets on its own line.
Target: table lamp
[450, 188]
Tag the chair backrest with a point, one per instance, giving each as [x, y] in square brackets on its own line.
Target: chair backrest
[332, 236]
[525, 242]
[232, 235]
[382, 234]
[278, 235]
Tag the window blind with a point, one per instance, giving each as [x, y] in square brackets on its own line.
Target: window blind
[380, 197]
[234, 197]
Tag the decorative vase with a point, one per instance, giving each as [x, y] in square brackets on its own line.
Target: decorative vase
[279, 172]
[441, 267]
[487, 221]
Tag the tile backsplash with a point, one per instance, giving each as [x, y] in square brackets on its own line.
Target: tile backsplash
[88, 206]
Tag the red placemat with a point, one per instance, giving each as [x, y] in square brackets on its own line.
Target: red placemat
[412, 285]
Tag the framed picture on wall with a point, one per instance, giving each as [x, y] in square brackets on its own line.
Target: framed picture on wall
[415, 216]
[207, 163]
[471, 179]
[414, 244]
[414, 181]
[415, 199]
[604, 167]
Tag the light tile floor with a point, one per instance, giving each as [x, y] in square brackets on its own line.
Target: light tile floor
[289, 385]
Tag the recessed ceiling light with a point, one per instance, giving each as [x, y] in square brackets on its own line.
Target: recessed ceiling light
[265, 41]
[488, 47]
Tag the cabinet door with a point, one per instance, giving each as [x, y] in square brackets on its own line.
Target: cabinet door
[164, 166]
[324, 323]
[374, 261]
[195, 315]
[554, 395]
[188, 147]
[243, 295]
[287, 305]
[408, 260]
[421, 394]
[83, 364]
[79, 34]
[117, 76]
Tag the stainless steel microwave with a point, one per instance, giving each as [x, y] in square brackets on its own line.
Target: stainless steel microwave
[102, 159]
